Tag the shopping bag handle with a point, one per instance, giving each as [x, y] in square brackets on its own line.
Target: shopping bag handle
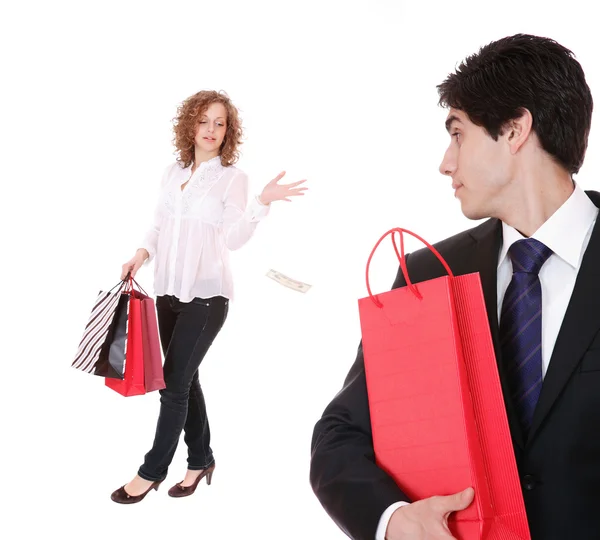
[130, 284]
[127, 283]
[122, 284]
[133, 281]
[402, 259]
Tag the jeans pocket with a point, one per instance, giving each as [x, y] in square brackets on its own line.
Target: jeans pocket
[201, 301]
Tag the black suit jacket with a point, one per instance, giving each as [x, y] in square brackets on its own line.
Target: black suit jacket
[559, 465]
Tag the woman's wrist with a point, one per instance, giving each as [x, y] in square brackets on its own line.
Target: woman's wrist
[261, 201]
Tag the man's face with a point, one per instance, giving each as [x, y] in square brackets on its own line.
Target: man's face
[478, 165]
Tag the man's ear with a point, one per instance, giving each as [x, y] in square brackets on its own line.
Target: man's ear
[518, 130]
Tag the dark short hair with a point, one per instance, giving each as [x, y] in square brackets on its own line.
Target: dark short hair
[526, 72]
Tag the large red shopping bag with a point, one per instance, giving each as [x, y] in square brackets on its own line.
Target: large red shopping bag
[153, 367]
[129, 331]
[437, 412]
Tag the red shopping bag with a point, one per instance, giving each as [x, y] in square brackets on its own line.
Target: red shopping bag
[133, 382]
[153, 367]
[437, 411]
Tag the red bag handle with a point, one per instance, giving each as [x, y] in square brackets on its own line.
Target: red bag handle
[129, 282]
[402, 260]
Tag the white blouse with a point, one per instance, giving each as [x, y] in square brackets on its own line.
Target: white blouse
[194, 228]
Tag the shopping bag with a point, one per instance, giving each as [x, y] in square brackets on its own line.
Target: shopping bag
[128, 331]
[153, 366]
[111, 362]
[92, 353]
[438, 418]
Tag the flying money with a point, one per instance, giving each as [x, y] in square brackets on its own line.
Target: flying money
[288, 282]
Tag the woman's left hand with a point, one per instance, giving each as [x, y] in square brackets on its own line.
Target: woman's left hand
[280, 192]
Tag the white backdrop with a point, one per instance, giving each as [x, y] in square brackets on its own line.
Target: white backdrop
[339, 92]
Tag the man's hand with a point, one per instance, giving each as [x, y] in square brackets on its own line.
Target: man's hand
[427, 519]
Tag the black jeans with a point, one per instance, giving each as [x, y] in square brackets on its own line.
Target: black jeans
[187, 330]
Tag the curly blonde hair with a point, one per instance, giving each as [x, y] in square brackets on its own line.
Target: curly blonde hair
[185, 126]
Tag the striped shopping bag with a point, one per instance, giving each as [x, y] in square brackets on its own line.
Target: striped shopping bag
[94, 352]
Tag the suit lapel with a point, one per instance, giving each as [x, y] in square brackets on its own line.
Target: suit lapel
[580, 325]
[489, 242]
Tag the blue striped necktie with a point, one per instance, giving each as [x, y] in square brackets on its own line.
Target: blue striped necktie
[521, 327]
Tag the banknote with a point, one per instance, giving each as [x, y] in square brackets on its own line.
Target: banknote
[288, 282]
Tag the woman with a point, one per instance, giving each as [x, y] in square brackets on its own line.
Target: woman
[202, 213]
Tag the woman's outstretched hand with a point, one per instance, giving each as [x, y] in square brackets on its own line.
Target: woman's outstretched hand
[281, 192]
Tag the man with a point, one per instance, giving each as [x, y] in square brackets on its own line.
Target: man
[519, 119]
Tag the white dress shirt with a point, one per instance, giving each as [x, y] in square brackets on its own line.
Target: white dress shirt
[567, 233]
[195, 227]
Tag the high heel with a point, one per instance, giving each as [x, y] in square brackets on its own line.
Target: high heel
[122, 497]
[184, 491]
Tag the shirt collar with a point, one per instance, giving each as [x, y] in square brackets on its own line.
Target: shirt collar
[564, 232]
[212, 162]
